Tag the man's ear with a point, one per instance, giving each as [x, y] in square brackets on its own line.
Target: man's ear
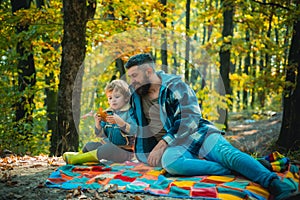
[149, 71]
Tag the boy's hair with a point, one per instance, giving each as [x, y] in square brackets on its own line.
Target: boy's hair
[139, 60]
[120, 86]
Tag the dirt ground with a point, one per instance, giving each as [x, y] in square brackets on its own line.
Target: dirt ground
[254, 136]
[24, 177]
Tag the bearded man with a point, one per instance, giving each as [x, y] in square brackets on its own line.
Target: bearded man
[173, 134]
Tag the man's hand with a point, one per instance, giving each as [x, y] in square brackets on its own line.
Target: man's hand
[156, 153]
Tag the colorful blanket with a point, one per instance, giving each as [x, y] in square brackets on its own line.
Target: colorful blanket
[136, 177]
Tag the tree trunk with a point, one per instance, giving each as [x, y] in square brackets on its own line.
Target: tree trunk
[73, 54]
[164, 49]
[289, 137]
[262, 69]
[120, 68]
[225, 54]
[51, 103]
[40, 3]
[187, 44]
[236, 99]
[253, 74]
[174, 52]
[26, 76]
[246, 69]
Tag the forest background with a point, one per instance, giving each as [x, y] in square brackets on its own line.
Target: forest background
[57, 57]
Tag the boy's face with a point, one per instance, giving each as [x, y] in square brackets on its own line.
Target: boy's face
[116, 100]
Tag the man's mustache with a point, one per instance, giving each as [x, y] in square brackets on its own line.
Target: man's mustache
[141, 89]
[135, 85]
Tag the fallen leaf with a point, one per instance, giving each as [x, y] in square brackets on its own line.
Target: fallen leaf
[77, 192]
[137, 198]
[69, 196]
[97, 196]
[82, 196]
[40, 185]
[101, 189]
[14, 196]
[113, 188]
[12, 183]
[110, 195]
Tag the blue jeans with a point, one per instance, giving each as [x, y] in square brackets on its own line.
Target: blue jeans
[221, 158]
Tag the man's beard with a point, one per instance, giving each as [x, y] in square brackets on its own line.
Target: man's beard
[145, 86]
[143, 90]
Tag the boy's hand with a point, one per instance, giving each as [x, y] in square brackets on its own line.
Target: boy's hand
[115, 119]
[98, 119]
[89, 114]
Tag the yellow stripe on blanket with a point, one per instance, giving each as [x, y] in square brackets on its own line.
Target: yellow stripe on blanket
[258, 190]
[224, 196]
[220, 178]
[184, 183]
[294, 176]
[154, 172]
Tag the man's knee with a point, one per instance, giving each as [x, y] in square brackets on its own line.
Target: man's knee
[172, 160]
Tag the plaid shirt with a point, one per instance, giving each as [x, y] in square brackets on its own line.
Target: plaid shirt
[180, 114]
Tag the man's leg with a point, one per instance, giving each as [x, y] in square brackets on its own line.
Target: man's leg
[178, 161]
[217, 148]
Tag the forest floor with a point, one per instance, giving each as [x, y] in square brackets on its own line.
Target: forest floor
[24, 177]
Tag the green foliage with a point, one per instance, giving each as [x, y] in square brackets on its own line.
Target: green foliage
[27, 138]
[42, 39]
[211, 101]
[260, 35]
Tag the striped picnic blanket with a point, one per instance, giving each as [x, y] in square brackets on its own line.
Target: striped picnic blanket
[136, 177]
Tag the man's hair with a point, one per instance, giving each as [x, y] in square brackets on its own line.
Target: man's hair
[139, 60]
[120, 86]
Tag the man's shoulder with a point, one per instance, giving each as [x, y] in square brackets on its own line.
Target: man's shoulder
[169, 79]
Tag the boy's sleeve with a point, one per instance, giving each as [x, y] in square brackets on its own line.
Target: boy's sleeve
[132, 130]
[98, 132]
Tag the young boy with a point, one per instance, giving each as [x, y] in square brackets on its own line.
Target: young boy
[117, 129]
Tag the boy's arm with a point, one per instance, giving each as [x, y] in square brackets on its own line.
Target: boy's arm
[98, 132]
[126, 125]
[98, 127]
[131, 125]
